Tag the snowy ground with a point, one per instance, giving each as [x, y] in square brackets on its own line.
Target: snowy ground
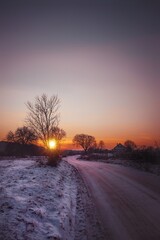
[42, 202]
[143, 166]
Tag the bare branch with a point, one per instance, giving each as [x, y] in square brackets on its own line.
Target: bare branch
[43, 116]
[85, 141]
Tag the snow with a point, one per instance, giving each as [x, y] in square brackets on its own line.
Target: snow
[37, 201]
[42, 202]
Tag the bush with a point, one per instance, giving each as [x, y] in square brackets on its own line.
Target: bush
[143, 155]
[54, 158]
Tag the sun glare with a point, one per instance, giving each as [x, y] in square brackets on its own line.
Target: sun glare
[52, 144]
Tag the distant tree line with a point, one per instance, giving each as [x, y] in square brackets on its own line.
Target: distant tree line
[140, 154]
[129, 151]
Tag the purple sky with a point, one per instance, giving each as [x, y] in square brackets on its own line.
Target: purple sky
[100, 57]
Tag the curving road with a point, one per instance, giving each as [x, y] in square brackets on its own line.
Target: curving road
[127, 200]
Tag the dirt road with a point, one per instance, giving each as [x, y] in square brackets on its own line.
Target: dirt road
[127, 200]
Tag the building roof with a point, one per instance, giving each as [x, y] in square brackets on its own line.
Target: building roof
[119, 147]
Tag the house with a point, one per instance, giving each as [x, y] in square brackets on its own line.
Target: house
[119, 148]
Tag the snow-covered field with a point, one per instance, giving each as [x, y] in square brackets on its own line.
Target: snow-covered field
[39, 202]
[146, 167]
[143, 166]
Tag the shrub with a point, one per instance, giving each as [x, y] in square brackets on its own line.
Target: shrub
[143, 155]
[54, 158]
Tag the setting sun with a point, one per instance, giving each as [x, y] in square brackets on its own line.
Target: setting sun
[52, 144]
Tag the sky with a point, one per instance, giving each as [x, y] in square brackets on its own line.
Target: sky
[102, 59]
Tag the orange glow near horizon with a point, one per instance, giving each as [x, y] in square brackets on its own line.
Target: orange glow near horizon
[110, 142]
[102, 64]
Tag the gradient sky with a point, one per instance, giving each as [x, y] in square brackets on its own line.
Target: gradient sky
[101, 57]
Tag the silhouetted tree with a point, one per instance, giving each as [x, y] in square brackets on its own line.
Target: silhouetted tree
[157, 144]
[20, 139]
[130, 145]
[58, 134]
[43, 117]
[85, 141]
[22, 135]
[25, 136]
[101, 145]
[10, 137]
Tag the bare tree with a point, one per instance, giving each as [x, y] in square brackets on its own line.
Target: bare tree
[130, 145]
[101, 145]
[58, 134]
[43, 117]
[85, 141]
[25, 136]
[10, 137]
[22, 135]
